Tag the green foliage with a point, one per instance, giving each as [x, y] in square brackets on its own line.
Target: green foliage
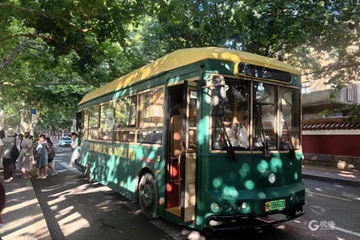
[298, 32]
[354, 111]
[55, 52]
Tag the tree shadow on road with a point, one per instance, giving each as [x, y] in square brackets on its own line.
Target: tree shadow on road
[76, 209]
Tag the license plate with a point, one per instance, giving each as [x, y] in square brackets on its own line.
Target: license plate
[275, 205]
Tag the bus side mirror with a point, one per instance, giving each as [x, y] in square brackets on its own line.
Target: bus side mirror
[218, 95]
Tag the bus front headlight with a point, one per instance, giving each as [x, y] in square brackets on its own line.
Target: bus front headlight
[272, 178]
[268, 177]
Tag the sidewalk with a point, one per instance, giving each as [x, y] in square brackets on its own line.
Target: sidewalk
[346, 176]
[22, 216]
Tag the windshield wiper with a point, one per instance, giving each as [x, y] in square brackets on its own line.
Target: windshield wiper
[291, 146]
[229, 149]
[265, 145]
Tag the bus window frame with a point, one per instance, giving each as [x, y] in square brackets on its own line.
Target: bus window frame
[111, 103]
[129, 128]
[91, 128]
[136, 119]
[276, 115]
[298, 146]
[85, 110]
[277, 86]
[250, 106]
[161, 129]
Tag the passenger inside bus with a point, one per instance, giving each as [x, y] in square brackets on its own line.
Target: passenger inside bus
[230, 133]
[176, 109]
[176, 129]
[243, 133]
[176, 148]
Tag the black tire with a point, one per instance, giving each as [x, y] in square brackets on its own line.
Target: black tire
[148, 196]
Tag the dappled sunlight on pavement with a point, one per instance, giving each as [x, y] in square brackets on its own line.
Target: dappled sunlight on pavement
[347, 177]
[22, 216]
[71, 221]
[68, 218]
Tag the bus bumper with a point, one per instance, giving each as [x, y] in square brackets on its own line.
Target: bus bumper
[242, 221]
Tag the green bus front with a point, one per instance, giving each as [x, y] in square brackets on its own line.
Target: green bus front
[238, 157]
[244, 180]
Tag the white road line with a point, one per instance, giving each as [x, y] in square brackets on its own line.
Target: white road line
[329, 196]
[346, 231]
[66, 165]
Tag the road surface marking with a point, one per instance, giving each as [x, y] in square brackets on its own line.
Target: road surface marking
[346, 231]
[66, 165]
[329, 196]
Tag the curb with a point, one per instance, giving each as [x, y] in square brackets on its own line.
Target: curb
[41, 228]
[332, 180]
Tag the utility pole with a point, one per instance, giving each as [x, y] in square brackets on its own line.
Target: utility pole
[33, 120]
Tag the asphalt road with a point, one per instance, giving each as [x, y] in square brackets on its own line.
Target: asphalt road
[75, 209]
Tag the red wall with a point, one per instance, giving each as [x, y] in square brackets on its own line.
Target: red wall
[344, 145]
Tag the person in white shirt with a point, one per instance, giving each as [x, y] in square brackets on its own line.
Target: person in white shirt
[230, 134]
[243, 133]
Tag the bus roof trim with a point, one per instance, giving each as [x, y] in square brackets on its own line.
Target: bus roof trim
[183, 57]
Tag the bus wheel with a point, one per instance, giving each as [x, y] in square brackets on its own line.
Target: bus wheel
[148, 195]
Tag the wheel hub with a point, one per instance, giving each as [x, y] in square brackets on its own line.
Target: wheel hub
[148, 195]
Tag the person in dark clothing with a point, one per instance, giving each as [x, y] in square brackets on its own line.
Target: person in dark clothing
[8, 159]
[51, 155]
[2, 134]
[177, 109]
[2, 202]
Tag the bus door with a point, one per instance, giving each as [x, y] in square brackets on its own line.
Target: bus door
[79, 121]
[188, 163]
[181, 161]
[79, 125]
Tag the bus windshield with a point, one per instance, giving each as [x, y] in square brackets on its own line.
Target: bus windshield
[236, 117]
[269, 131]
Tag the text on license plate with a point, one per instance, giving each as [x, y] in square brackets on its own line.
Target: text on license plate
[275, 205]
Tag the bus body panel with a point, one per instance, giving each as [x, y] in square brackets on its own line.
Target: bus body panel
[117, 165]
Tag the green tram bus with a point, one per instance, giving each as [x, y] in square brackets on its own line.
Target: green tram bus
[203, 137]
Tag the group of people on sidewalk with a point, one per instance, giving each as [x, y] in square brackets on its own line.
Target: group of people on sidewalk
[19, 152]
[14, 152]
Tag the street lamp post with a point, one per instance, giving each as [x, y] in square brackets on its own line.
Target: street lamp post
[33, 120]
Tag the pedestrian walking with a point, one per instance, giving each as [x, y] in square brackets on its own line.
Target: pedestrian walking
[75, 147]
[42, 156]
[25, 157]
[51, 156]
[10, 153]
[18, 162]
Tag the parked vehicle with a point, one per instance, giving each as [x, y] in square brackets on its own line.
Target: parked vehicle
[203, 137]
[65, 142]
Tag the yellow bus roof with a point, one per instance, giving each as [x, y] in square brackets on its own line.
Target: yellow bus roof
[183, 57]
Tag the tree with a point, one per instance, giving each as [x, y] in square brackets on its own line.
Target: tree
[297, 32]
[79, 45]
[79, 26]
[52, 54]
[287, 30]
